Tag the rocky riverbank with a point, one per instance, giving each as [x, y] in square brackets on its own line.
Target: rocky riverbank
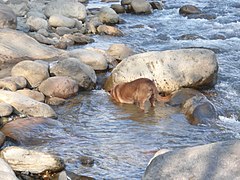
[37, 71]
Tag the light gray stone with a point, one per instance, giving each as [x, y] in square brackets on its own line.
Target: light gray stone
[16, 46]
[21, 159]
[6, 171]
[141, 6]
[61, 21]
[34, 72]
[212, 161]
[92, 58]
[72, 9]
[26, 105]
[8, 18]
[120, 51]
[37, 23]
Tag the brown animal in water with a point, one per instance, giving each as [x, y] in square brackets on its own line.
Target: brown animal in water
[137, 92]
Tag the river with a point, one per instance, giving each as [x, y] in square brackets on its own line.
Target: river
[120, 138]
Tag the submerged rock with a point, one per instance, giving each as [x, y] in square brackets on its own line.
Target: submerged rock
[212, 161]
[171, 70]
[35, 162]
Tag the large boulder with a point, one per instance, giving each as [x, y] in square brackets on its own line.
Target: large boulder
[8, 18]
[16, 46]
[6, 171]
[170, 69]
[77, 70]
[59, 86]
[72, 9]
[35, 162]
[34, 72]
[92, 58]
[212, 161]
[13, 83]
[26, 105]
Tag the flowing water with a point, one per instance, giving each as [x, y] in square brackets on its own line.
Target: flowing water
[120, 138]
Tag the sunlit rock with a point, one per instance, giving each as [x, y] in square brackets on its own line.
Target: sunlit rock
[26, 105]
[21, 159]
[212, 161]
[171, 70]
[16, 46]
[92, 58]
[61, 21]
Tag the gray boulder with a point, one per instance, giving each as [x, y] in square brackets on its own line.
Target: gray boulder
[36, 95]
[212, 161]
[92, 58]
[37, 23]
[171, 70]
[8, 18]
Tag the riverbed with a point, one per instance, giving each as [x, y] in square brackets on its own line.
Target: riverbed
[120, 138]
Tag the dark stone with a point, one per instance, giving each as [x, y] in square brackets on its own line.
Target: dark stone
[190, 37]
[189, 9]
[181, 96]
[87, 161]
[156, 5]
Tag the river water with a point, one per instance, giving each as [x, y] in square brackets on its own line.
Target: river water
[120, 138]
